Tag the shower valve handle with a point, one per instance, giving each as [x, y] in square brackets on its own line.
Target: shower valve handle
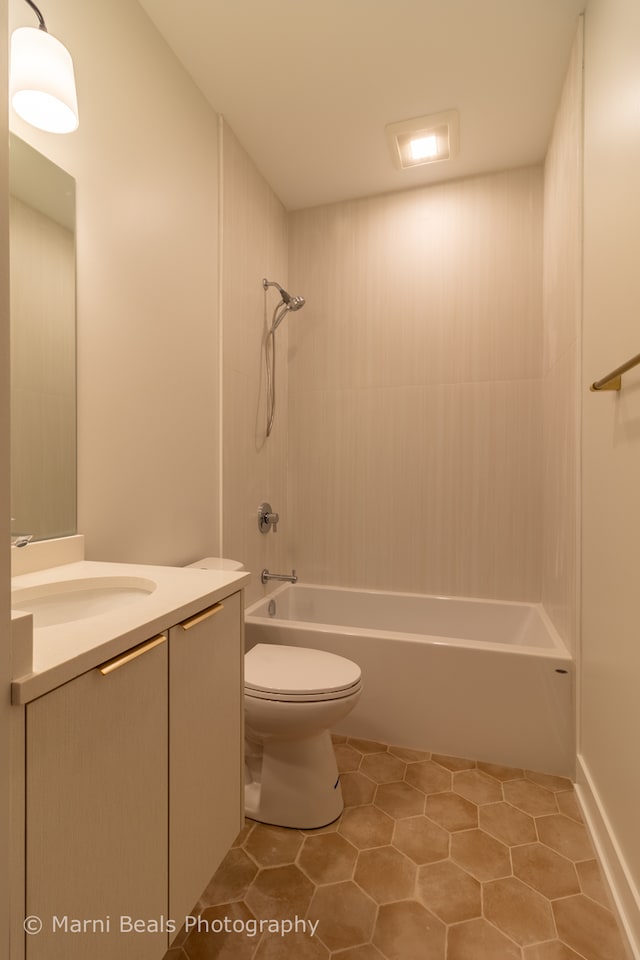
[267, 519]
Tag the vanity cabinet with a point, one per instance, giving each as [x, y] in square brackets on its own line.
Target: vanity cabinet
[134, 791]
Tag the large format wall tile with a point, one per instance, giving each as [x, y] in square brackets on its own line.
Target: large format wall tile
[414, 390]
[430, 489]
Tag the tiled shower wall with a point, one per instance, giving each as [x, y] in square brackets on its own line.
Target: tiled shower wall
[562, 304]
[415, 402]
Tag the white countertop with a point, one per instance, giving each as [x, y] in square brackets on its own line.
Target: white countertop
[64, 651]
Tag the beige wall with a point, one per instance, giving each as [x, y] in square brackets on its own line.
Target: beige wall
[610, 661]
[415, 392]
[562, 304]
[145, 162]
[255, 468]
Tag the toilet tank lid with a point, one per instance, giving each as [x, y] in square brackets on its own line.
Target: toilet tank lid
[217, 563]
[286, 669]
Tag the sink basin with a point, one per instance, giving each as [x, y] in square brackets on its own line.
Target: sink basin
[63, 601]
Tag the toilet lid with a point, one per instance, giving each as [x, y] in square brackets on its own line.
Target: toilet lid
[276, 668]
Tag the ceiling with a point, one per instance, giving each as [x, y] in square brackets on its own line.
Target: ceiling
[308, 87]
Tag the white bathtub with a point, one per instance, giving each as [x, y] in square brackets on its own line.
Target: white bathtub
[469, 678]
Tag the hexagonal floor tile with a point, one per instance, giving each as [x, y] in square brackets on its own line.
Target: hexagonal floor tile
[366, 827]
[231, 880]
[327, 858]
[213, 940]
[270, 846]
[409, 755]
[552, 950]
[405, 871]
[366, 951]
[366, 746]
[279, 892]
[345, 915]
[453, 763]
[565, 836]
[529, 797]
[449, 892]
[477, 786]
[357, 789]
[452, 811]
[484, 857]
[421, 839]
[588, 928]
[500, 772]
[479, 940]
[507, 823]
[382, 767]
[407, 931]
[568, 804]
[428, 776]
[399, 800]
[549, 781]
[591, 881]
[347, 758]
[244, 833]
[545, 870]
[521, 913]
[385, 874]
[302, 946]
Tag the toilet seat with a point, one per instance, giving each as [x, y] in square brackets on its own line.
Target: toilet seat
[298, 674]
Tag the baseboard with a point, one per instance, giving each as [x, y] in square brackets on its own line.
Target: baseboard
[624, 895]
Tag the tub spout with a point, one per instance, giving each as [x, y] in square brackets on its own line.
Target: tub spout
[285, 577]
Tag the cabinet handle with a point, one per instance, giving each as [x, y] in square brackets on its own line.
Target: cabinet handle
[130, 655]
[199, 617]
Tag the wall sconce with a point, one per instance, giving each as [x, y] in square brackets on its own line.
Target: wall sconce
[42, 87]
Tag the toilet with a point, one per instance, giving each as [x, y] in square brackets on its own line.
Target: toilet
[292, 696]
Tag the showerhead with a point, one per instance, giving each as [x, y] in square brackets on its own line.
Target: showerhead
[287, 302]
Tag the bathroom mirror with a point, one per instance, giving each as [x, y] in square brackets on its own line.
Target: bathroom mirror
[43, 345]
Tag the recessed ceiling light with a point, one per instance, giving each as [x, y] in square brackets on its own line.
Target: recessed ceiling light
[424, 148]
[424, 139]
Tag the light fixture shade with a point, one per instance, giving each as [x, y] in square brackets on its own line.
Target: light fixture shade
[42, 86]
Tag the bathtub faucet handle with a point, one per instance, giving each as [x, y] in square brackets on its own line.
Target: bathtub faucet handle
[267, 519]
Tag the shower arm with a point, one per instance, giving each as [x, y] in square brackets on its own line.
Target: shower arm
[272, 283]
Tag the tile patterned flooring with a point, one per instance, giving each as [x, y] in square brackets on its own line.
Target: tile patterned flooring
[433, 858]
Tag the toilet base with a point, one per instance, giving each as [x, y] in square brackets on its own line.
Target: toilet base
[293, 783]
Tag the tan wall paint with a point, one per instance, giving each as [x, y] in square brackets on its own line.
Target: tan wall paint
[255, 468]
[610, 661]
[415, 392]
[145, 162]
[562, 305]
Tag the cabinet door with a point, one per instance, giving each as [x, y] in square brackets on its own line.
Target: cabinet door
[96, 781]
[206, 658]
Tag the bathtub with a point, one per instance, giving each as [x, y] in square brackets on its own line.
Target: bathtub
[469, 678]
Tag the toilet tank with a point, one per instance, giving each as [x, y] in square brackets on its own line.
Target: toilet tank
[217, 563]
